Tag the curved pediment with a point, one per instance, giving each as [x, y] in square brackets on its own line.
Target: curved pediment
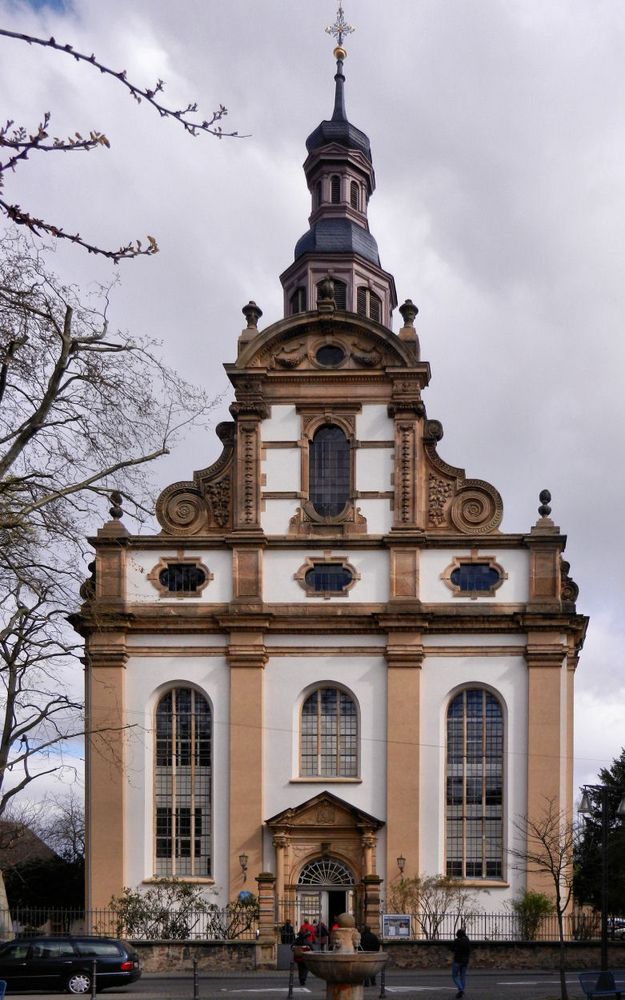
[295, 343]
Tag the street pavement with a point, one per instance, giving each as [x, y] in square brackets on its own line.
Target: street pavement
[401, 984]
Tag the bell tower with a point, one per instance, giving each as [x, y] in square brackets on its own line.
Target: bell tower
[338, 244]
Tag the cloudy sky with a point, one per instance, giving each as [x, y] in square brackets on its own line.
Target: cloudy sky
[498, 135]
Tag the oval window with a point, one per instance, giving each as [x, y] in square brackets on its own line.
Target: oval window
[475, 576]
[328, 577]
[329, 471]
[330, 355]
[182, 578]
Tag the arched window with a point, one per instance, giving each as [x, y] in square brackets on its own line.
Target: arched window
[329, 735]
[475, 786]
[182, 784]
[329, 480]
[340, 293]
[354, 195]
[368, 304]
[335, 189]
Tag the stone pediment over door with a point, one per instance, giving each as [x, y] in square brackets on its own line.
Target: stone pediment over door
[324, 826]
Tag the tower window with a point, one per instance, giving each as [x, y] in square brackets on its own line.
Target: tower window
[329, 735]
[318, 195]
[474, 786]
[335, 189]
[298, 300]
[354, 195]
[182, 784]
[329, 471]
[368, 304]
[340, 293]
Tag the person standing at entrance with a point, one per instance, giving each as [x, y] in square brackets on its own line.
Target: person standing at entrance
[322, 936]
[461, 949]
[308, 931]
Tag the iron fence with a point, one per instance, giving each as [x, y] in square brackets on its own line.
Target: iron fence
[505, 926]
[216, 924]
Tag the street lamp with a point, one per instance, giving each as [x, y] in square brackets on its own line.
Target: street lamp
[602, 792]
[401, 864]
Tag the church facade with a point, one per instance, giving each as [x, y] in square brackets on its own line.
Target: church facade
[336, 668]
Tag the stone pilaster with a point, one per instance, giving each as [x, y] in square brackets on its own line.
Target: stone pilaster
[105, 771]
[247, 657]
[404, 655]
[547, 738]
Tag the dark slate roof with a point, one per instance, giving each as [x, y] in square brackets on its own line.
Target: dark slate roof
[337, 235]
[341, 132]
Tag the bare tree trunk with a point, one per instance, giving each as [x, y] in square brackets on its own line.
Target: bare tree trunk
[6, 926]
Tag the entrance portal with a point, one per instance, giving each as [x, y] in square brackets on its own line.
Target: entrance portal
[325, 888]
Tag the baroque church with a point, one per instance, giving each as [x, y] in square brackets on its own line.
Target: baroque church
[337, 668]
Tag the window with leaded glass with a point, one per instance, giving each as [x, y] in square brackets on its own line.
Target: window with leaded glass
[329, 471]
[329, 735]
[474, 796]
[182, 785]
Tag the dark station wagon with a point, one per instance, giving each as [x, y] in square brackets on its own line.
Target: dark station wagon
[66, 963]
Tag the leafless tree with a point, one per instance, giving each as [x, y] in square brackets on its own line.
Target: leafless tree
[429, 898]
[61, 825]
[82, 411]
[549, 843]
[19, 142]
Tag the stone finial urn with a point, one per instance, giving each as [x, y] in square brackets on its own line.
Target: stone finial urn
[343, 968]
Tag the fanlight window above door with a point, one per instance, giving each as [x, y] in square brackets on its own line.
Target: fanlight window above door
[325, 871]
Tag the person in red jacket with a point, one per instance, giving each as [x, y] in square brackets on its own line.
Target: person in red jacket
[308, 931]
[299, 948]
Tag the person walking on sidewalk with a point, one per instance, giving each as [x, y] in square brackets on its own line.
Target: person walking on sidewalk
[461, 949]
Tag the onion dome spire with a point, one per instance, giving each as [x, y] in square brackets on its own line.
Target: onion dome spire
[338, 244]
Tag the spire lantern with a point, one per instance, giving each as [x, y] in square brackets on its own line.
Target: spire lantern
[338, 244]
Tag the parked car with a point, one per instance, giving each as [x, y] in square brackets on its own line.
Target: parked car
[66, 963]
[616, 927]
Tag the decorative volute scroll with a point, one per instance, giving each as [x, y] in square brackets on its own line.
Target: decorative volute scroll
[455, 503]
[204, 504]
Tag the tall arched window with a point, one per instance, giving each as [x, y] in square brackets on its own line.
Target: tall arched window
[329, 485]
[329, 735]
[182, 784]
[335, 189]
[354, 195]
[475, 786]
[298, 300]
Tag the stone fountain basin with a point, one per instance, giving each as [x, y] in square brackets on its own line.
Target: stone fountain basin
[344, 966]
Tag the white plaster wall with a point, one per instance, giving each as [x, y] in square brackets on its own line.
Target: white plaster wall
[379, 515]
[441, 677]
[146, 679]
[276, 516]
[287, 680]
[433, 562]
[218, 561]
[279, 569]
[282, 468]
[374, 423]
[282, 425]
[166, 641]
[374, 469]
